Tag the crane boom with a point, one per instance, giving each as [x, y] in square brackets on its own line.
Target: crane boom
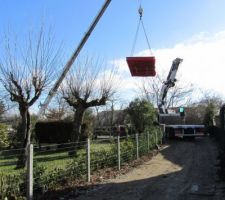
[170, 82]
[72, 58]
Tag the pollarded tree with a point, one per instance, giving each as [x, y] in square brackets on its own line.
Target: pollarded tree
[27, 68]
[88, 85]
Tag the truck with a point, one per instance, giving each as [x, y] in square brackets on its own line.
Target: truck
[180, 130]
[184, 131]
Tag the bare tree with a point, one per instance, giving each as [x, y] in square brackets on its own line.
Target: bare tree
[210, 103]
[150, 89]
[179, 95]
[112, 114]
[88, 85]
[211, 97]
[26, 70]
[58, 110]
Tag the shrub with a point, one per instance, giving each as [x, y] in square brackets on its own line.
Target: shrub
[53, 131]
[77, 167]
[127, 150]
[103, 158]
[11, 187]
[142, 114]
[4, 137]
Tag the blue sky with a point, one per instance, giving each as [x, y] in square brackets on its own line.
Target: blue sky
[173, 27]
[167, 22]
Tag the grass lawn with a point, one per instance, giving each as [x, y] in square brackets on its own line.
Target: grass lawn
[58, 158]
[49, 160]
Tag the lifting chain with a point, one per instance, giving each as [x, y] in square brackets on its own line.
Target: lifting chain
[140, 12]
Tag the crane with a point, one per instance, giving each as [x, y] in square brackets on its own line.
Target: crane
[170, 82]
[70, 62]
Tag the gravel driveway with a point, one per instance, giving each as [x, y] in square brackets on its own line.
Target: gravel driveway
[182, 170]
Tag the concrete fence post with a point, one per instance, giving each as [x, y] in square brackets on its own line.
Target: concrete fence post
[88, 158]
[118, 151]
[30, 172]
[137, 144]
[156, 138]
[164, 136]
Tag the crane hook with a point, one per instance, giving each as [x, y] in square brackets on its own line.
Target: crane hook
[140, 11]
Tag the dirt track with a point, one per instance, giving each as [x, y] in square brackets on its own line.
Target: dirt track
[183, 170]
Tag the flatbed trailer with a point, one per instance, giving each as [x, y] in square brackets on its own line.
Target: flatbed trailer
[182, 131]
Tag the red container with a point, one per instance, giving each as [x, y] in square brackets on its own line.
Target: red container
[141, 66]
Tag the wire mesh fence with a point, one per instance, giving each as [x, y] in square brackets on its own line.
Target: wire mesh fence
[56, 165]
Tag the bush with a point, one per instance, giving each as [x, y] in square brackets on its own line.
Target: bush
[53, 131]
[4, 136]
[143, 144]
[77, 168]
[11, 187]
[127, 150]
[14, 187]
[141, 114]
[103, 158]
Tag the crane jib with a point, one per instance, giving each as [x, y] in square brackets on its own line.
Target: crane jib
[72, 59]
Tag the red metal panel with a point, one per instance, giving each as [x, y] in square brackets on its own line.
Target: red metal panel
[141, 66]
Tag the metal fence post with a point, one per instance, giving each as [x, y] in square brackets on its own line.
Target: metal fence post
[137, 145]
[118, 151]
[30, 173]
[88, 157]
[148, 141]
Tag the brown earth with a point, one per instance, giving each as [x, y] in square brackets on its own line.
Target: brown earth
[182, 170]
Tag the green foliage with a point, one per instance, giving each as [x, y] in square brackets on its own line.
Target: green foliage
[142, 114]
[103, 155]
[77, 168]
[143, 144]
[10, 187]
[4, 136]
[210, 113]
[17, 137]
[103, 158]
[2, 108]
[51, 180]
[127, 148]
[38, 174]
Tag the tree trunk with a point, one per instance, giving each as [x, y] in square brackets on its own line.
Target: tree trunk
[25, 128]
[76, 132]
[27, 136]
[78, 119]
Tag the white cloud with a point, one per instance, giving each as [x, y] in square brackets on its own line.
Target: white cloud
[203, 62]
